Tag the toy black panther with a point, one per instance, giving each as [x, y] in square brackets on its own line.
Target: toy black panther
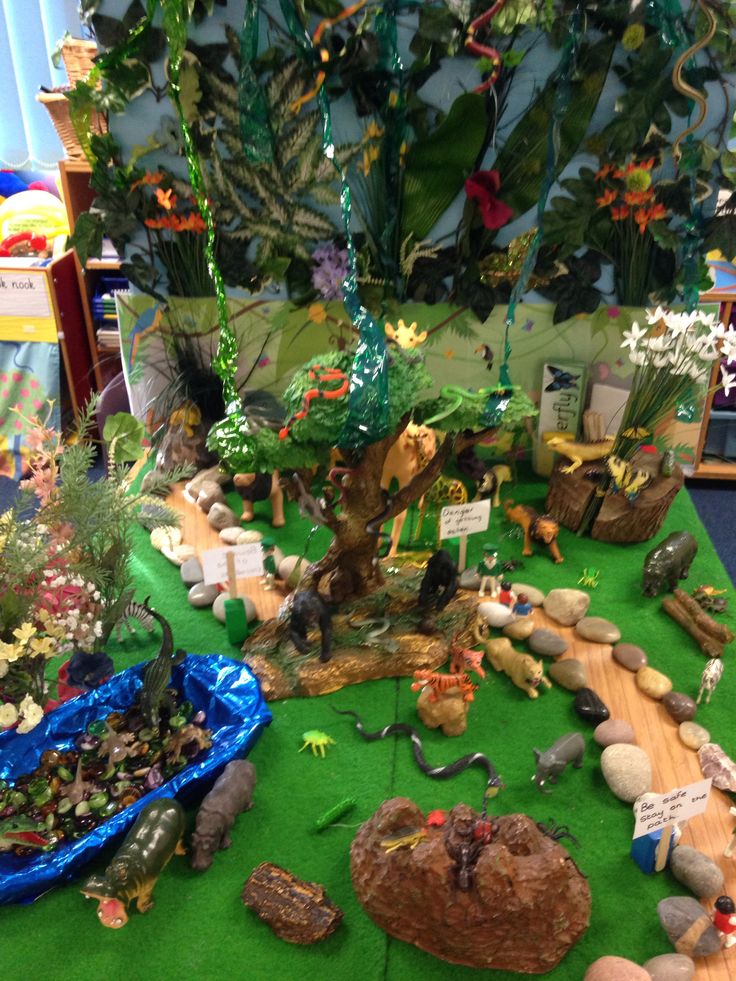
[439, 584]
[307, 610]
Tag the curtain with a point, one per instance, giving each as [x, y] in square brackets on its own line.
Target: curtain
[29, 32]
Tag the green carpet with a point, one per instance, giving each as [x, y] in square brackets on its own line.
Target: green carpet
[199, 927]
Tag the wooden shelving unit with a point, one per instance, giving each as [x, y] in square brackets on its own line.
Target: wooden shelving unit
[78, 196]
[714, 469]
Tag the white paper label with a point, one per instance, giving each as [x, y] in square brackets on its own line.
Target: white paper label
[248, 562]
[464, 519]
[658, 810]
[23, 295]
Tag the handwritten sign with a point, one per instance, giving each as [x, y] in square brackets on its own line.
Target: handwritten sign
[248, 562]
[464, 519]
[655, 811]
[24, 295]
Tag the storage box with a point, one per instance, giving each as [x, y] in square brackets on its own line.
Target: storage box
[720, 440]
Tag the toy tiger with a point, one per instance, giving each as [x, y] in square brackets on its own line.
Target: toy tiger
[442, 683]
[465, 659]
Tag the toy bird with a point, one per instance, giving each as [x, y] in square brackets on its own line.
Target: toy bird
[487, 354]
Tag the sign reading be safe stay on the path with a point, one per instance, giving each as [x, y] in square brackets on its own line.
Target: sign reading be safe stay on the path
[654, 811]
[248, 562]
[464, 519]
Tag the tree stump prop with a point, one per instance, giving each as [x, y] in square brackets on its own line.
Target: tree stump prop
[618, 520]
[710, 636]
[298, 912]
[525, 906]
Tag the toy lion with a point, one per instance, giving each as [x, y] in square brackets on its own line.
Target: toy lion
[540, 528]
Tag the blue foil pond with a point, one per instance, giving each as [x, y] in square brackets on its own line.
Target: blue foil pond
[236, 713]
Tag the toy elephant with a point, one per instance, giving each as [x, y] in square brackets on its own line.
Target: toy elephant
[254, 487]
[133, 872]
[668, 562]
[569, 748]
[231, 795]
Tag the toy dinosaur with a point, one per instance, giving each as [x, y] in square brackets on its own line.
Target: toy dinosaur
[579, 453]
[116, 746]
[76, 791]
[542, 528]
[157, 675]
[187, 734]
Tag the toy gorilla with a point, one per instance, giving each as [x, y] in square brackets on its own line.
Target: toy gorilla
[439, 584]
[307, 610]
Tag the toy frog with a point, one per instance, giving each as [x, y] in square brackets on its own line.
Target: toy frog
[133, 872]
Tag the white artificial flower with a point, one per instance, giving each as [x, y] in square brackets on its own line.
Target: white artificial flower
[678, 324]
[8, 715]
[728, 379]
[4, 668]
[660, 343]
[660, 360]
[31, 713]
[654, 316]
[638, 358]
[632, 338]
[728, 345]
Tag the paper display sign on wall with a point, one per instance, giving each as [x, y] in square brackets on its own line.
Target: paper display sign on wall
[24, 295]
[464, 519]
[658, 810]
[248, 562]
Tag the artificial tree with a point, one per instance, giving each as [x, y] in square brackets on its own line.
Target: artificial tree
[359, 505]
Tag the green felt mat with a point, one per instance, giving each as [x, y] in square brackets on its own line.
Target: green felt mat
[199, 927]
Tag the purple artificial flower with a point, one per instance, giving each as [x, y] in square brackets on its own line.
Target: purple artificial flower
[330, 270]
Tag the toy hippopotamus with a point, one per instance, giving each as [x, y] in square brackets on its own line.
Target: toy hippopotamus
[668, 562]
[232, 794]
[569, 748]
[134, 871]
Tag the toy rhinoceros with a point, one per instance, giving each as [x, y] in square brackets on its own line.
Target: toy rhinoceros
[569, 748]
[668, 562]
[134, 871]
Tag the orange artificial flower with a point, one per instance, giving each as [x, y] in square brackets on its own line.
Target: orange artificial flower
[193, 222]
[165, 222]
[149, 177]
[167, 199]
[608, 197]
[641, 217]
[657, 212]
[619, 214]
[619, 173]
[635, 198]
[604, 172]
[644, 165]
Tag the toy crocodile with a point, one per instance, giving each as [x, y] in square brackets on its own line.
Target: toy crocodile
[134, 871]
[157, 675]
[578, 453]
[21, 831]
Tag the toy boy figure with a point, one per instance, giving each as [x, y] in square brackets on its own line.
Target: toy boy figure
[724, 920]
[522, 607]
[485, 570]
[507, 596]
[269, 563]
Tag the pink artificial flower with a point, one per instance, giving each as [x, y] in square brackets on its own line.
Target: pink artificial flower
[483, 186]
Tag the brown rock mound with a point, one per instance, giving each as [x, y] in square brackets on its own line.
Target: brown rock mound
[523, 906]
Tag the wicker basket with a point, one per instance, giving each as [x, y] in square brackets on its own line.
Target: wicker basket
[78, 56]
[57, 106]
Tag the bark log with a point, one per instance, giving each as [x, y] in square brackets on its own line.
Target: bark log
[297, 911]
[711, 637]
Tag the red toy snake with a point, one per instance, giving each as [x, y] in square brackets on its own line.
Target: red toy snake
[322, 376]
[484, 50]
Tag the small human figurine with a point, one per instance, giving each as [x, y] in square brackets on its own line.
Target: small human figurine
[732, 843]
[269, 563]
[506, 596]
[485, 570]
[724, 920]
[522, 607]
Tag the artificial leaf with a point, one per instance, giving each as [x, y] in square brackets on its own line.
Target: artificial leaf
[123, 434]
[437, 24]
[87, 238]
[663, 235]
[522, 161]
[437, 166]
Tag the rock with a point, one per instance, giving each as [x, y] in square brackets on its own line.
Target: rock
[218, 607]
[221, 516]
[495, 614]
[469, 579]
[615, 969]
[670, 967]
[297, 911]
[166, 536]
[519, 629]
[613, 731]
[547, 643]
[523, 887]
[629, 656]
[598, 630]
[192, 488]
[210, 492]
[715, 764]
[231, 535]
[696, 871]
[653, 683]
[681, 915]
[566, 606]
[569, 672]
[534, 595]
[201, 595]
[589, 707]
[693, 735]
[191, 572]
[679, 706]
[291, 568]
[249, 535]
[449, 712]
[627, 771]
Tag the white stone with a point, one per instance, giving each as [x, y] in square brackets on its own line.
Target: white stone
[218, 607]
[495, 614]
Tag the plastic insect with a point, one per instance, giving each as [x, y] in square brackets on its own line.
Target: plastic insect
[561, 380]
[318, 741]
[590, 578]
[710, 599]
[323, 376]
[334, 813]
[404, 838]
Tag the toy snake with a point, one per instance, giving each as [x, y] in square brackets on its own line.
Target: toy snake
[484, 50]
[458, 395]
[324, 53]
[493, 783]
[373, 638]
[322, 376]
[681, 86]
